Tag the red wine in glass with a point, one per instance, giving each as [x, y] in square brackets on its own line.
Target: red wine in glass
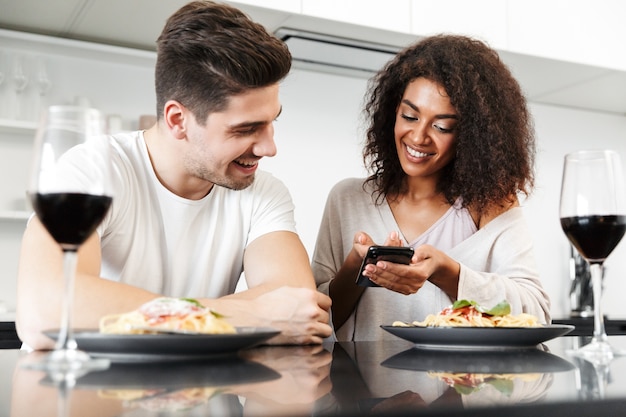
[70, 218]
[596, 236]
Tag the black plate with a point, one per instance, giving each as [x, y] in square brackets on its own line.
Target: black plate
[164, 347]
[478, 337]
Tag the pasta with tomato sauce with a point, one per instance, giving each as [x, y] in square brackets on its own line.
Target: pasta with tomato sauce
[465, 313]
[167, 314]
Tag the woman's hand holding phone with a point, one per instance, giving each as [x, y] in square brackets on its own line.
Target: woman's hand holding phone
[395, 254]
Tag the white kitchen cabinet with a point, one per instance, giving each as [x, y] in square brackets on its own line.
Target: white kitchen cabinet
[388, 15]
[291, 6]
[15, 149]
[16, 138]
[17, 126]
[483, 19]
[118, 81]
[589, 32]
[584, 31]
[17, 215]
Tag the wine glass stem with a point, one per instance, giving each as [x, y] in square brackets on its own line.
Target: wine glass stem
[66, 340]
[63, 402]
[599, 333]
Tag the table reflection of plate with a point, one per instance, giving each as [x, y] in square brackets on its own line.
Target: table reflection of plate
[171, 386]
[493, 338]
[166, 347]
[213, 372]
[516, 361]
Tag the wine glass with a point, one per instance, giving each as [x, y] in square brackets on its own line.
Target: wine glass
[593, 217]
[70, 205]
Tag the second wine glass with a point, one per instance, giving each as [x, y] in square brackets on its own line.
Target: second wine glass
[593, 217]
[70, 206]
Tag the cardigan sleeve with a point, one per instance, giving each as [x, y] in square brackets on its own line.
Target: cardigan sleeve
[498, 263]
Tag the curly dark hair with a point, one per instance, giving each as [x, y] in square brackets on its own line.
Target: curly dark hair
[208, 52]
[495, 143]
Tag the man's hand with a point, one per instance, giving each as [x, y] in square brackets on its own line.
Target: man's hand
[301, 314]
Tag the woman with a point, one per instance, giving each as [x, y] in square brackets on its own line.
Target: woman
[450, 146]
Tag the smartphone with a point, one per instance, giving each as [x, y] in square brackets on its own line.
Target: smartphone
[395, 254]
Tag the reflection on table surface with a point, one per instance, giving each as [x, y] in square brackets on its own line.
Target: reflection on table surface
[361, 378]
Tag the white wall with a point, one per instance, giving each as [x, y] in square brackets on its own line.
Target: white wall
[319, 142]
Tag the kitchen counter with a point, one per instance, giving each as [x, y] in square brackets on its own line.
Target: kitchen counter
[8, 336]
[349, 379]
[584, 325]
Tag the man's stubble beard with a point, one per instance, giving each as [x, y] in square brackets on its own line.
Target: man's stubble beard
[226, 182]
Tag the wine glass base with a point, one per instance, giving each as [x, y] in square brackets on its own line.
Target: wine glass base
[68, 363]
[597, 352]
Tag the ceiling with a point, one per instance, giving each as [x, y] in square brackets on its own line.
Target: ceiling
[137, 24]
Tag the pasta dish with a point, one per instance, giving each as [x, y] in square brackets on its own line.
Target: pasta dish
[167, 314]
[464, 313]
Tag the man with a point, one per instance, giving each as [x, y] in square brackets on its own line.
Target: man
[190, 212]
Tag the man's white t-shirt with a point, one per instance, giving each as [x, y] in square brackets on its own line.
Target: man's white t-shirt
[156, 240]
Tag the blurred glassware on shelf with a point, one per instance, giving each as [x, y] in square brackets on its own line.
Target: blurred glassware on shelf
[114, 124]
[146, 121]
[3, 62]
[20, 82]
[81, 101]
[43, 85]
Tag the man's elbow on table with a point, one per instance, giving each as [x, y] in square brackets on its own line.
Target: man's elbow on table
[30, 331]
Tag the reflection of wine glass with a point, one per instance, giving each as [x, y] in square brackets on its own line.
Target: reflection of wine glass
[592, 379]
[593, 217]
[70, 206]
